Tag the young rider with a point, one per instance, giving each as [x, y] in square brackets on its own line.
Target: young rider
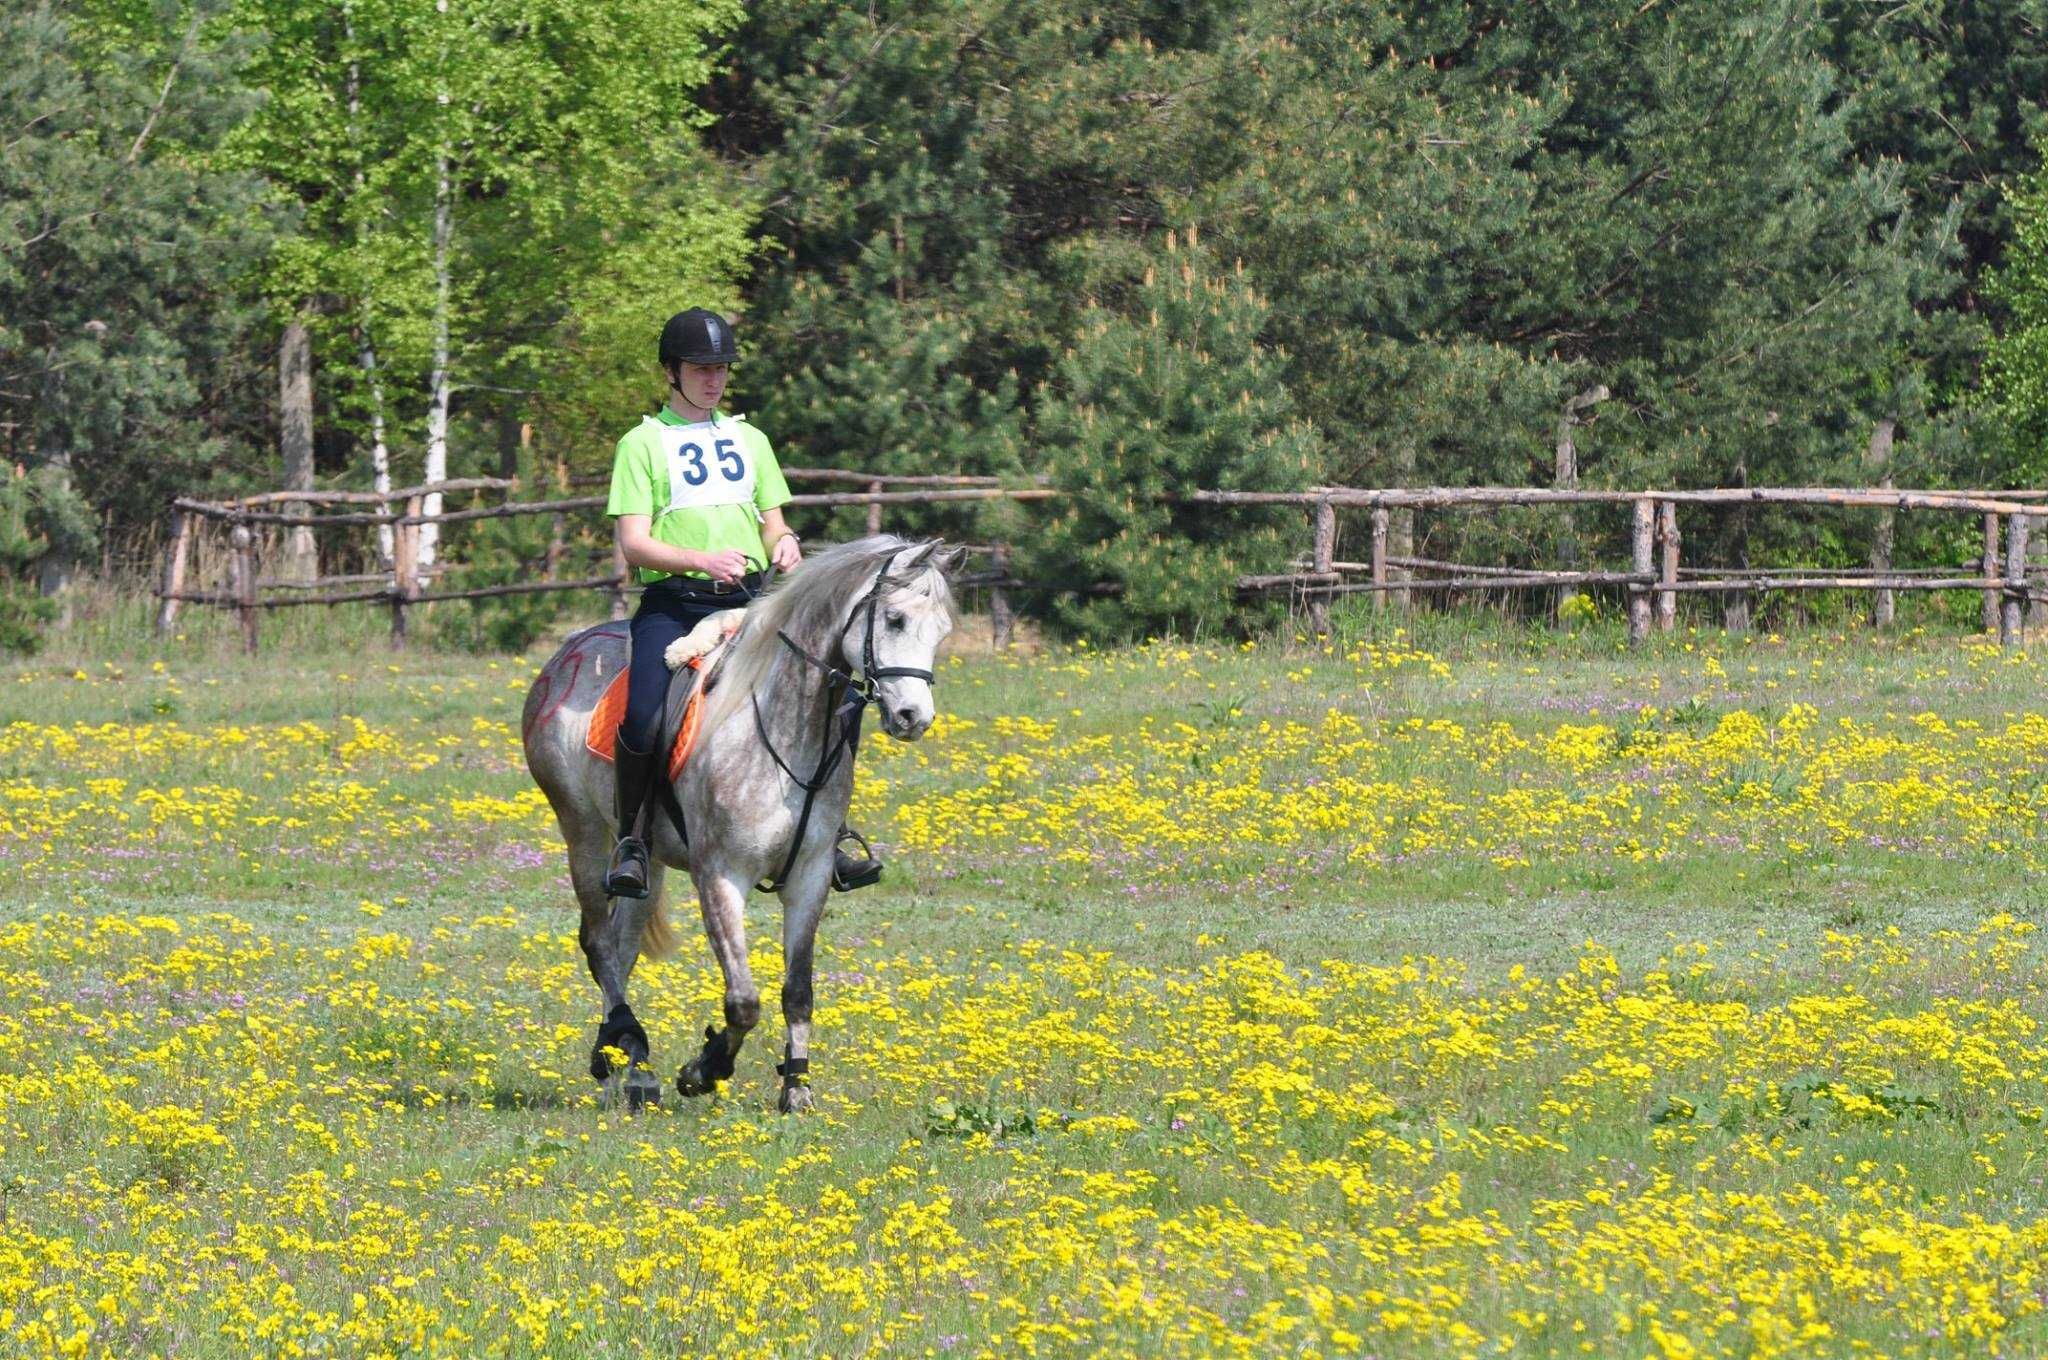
[696, 501]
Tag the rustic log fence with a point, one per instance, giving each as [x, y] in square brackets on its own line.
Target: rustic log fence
[406, 583]
[1654, 578]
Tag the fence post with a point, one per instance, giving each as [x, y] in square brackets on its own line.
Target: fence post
[2012, 620]
[1883, 603]
[874, 509]
[244, 572]
[405, 571]
[1993, 615]
[1642, 566]
[558, 534]
[1667, 575]
[1379, 557]
[2037, 609]
[1325, 556]
[175, 555]
[999, 617]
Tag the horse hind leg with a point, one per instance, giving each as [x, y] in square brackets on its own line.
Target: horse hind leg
[724, 900]
[610, 933]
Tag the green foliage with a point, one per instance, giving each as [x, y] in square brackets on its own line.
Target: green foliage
[2019, 359]
[1178, 396]
[497, 177]
[1765, 227]
[23, 610]
[123, 253]
[500, 552]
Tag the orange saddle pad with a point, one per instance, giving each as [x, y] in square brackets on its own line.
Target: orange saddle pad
[611, 710]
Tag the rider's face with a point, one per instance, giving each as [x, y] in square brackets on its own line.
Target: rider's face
[703, 384]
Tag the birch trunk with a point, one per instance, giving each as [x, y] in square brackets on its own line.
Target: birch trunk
[295, 444]
[436, 468]
[380, 451]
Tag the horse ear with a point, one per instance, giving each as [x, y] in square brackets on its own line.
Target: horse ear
[922, 555]
[948, 559]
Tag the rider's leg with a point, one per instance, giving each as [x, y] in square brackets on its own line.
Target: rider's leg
[626, 875]
[637, 762]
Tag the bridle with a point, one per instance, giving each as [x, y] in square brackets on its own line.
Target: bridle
[847, 695]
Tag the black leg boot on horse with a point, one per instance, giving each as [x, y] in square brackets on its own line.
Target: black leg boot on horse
[626, 875]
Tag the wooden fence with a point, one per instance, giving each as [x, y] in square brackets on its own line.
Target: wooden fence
[1654, 577]
[407, 583]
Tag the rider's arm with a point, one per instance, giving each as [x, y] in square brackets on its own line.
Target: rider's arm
[775, 532]
[641, 549]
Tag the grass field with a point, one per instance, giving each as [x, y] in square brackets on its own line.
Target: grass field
[1482, 992]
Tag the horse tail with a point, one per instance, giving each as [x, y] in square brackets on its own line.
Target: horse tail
[657, 936]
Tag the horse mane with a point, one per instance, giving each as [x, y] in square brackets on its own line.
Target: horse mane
[810, 605]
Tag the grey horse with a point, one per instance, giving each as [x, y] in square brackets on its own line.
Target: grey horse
[872, 611]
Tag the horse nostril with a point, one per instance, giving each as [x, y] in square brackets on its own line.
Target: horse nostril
[906, 717]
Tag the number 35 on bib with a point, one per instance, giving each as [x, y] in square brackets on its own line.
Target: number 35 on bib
[708, 464]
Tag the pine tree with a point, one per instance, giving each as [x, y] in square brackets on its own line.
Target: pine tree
[23, 609]
[1175, 395]
[122, 249]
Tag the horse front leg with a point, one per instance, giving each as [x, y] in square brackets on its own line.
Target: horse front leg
[610, 937]
[803, 905]
[724, 899]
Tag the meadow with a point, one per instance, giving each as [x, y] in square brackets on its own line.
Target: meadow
[1432, 989]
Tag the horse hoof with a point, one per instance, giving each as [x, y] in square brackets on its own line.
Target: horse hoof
[795, 1100]
[691, 1081]
[642, 1093]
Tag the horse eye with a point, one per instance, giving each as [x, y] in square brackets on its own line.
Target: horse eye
[895, 617]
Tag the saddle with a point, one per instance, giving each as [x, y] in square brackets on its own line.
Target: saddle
[611, 710]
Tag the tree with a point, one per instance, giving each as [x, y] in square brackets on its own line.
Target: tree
[121, 249]
[941, 182]
[23, 609]
[466, 170]
[1176, 396]
[2019, 356]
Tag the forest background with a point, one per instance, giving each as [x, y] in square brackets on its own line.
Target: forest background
[1126, 247]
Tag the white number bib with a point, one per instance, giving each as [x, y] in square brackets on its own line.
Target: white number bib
[708, 464]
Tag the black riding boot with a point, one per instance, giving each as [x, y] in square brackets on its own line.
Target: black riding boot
[849, 871]
[626, 876]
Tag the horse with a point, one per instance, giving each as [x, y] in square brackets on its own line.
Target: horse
[762, 796]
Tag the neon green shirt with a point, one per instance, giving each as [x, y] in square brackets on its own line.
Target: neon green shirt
[704, 486]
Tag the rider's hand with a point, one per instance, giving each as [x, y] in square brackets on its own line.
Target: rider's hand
[786, 553]
[728, 566]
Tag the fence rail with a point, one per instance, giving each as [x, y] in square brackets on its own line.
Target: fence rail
[1654, 577]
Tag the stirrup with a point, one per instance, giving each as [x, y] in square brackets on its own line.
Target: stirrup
[849, 873]
[626, 875]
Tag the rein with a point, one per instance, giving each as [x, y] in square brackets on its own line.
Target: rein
[847, 696]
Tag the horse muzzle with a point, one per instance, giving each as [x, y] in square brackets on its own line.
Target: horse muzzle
[905, 719]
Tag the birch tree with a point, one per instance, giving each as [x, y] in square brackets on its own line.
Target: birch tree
[471, 171]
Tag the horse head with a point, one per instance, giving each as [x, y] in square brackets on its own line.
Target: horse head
[890, 637]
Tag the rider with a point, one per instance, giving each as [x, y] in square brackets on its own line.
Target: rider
[696, 500]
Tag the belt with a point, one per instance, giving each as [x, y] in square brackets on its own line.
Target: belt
[745, 588]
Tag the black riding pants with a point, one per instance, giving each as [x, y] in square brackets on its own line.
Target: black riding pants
[668, 609]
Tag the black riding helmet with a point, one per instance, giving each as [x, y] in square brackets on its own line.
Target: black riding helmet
[698, 337]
